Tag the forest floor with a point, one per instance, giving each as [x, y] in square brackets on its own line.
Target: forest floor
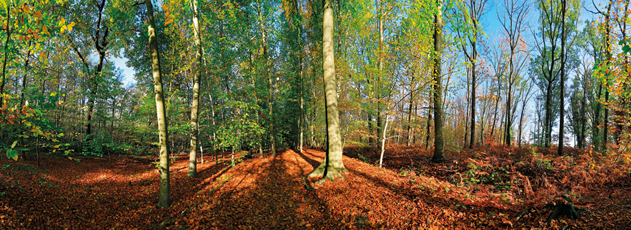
[491, 188]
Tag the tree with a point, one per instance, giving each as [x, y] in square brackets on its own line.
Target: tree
[164, 199]
[513, 23]
[332, 166]
[476, 10]
[439, 151]
[192, 165]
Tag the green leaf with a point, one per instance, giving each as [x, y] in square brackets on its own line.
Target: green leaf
[13, 145]
[12, 154]
[621, 42]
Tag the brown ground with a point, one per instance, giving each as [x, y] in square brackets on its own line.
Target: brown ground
[264, 193]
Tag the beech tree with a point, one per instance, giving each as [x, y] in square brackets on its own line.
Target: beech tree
[332, 166]
[164, 196]
[439, 151]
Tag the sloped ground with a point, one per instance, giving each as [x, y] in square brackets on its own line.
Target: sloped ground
[599, 185]
[269, 192]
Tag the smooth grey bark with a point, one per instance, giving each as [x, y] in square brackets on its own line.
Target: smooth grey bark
[164, 199]
[192, 162]
[332, 166]
[439, 151]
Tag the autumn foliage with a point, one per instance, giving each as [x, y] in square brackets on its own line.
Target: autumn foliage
[498, 187]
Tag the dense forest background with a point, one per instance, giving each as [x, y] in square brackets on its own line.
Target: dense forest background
[261, 78]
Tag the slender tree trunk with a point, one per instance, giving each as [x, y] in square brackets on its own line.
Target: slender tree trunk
[548, 120]
[332, 166]
[473, 86]
[25, 75]
[410, 117]
[429, 120]
[270, 92]
[164, 199]
[497, 104]
[379, 75]
[192, 165]
[608, 57]
[6, 53]
[562, 109]
[466, 116]
[439, 151]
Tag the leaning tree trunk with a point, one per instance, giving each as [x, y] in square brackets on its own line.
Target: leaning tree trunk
[164, 199]
[332, 166]
[192, 163]
[439, 151]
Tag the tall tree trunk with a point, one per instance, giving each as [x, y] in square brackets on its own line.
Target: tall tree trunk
[270, 92]
[473, 86]
[164, 199]
[410, 116]
[6, 47]
[439, 151]
[25, 75]
[608, 58]
[429, 119]
[379, 75]
[548, 120]
[192, 162]
[562, 107]
[497, 104]
[332, 166]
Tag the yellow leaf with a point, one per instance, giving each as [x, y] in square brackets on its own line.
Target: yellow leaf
[15, 157]
[45, 31]
[37, 14]
[27, 9]
[62, 29]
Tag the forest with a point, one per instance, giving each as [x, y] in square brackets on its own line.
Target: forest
[315, 114]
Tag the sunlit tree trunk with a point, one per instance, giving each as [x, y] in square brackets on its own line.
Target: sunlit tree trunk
[192, 165]
[164, 199]
[439, 151]
[332, 166]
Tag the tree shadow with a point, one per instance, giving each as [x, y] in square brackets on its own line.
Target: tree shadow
[267, 195]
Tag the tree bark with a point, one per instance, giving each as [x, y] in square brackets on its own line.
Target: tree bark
[332, 166]
[270, 92]
[4, 64]
[563, 58]
[192, 165]
[164, 199]
[439, 151]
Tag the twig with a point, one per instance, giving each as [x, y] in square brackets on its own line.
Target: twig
[171, 221]
[523, 213]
